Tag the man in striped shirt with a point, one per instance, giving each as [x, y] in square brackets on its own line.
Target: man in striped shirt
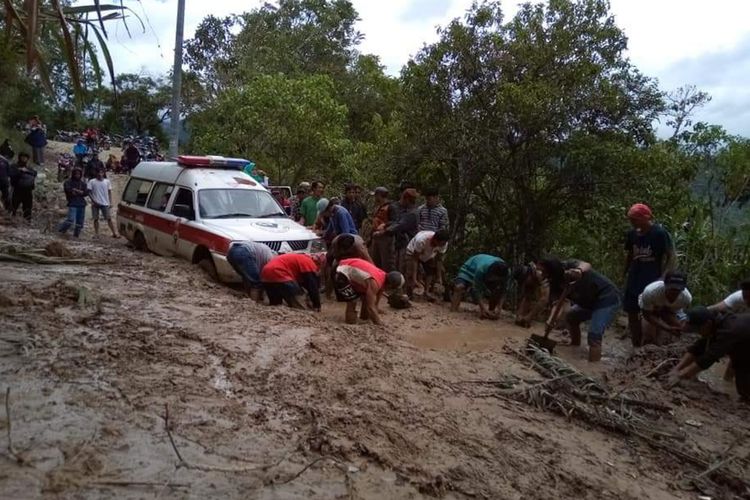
[432, 215]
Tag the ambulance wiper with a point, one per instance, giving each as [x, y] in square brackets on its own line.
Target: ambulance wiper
[232, 216]
[269, 216]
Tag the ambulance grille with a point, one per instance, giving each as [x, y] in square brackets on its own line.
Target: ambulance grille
[273, 245]
[299, 245]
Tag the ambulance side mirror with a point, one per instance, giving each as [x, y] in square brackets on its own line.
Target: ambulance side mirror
[183, 211]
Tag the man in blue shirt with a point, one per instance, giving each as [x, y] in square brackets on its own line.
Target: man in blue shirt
[340, 221]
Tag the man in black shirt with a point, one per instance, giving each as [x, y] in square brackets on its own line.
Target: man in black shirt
[355, 207]
[721, 335]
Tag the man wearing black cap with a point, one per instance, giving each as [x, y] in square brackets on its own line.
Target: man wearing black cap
[721, 335]
[663, 304]
[382, 244]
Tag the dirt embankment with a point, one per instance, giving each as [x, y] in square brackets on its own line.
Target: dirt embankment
[272, 403]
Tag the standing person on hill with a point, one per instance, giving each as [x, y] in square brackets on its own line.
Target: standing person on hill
[594, 298]
[486, 278]
[382, 246]
[76, 192]
[404, 225]
[37, 139]
[100, 192]
[432, 215]
[355, 207]
[309, 206]
[650, 255]
[130, 157]
[23, 180]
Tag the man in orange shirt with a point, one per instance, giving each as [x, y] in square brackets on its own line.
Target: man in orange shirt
[358, 278]
[285, 276]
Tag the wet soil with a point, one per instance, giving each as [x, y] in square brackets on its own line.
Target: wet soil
[273, 403]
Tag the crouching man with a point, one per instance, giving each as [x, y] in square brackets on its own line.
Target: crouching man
[486, 277]
[663, 305]
[285, 276]
[248, 259]
[358, 278]
[721, 335]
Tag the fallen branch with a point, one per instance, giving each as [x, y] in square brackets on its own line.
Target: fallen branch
[206, 468]
[622, 399]
[125, 483]
[658, 367]
[303, 469]
[11, 451]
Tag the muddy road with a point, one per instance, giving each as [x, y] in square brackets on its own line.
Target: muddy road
[134, 376]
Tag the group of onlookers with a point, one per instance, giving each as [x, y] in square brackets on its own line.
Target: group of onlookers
[17, 182]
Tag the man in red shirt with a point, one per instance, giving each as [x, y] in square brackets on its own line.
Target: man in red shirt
[358, 278]
[284, 277]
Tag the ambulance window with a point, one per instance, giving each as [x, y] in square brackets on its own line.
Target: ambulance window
[184, 197]
[137, 191]
[160, 196]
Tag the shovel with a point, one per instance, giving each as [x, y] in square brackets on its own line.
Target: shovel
[544, 342]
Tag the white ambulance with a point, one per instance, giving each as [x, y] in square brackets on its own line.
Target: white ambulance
[197, 206]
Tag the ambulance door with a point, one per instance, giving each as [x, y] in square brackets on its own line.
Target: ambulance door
[183, 210]
[160, 240]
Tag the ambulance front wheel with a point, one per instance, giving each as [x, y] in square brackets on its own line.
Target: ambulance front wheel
[139, 242]
[208, 266]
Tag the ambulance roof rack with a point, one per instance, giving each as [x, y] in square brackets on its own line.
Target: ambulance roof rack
[209, 161]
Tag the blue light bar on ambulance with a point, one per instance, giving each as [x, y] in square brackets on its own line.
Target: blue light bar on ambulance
[213, 162]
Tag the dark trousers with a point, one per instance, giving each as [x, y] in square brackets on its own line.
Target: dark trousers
[5, 193]
[383, 252]
[283, 292]
[23, 198]
[243, 262]
[76, 216]
[38, 155]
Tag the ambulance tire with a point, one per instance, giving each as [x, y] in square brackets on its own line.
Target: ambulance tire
[208, 266]
[139, 242]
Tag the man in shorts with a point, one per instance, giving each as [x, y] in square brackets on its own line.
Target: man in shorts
[360, 279]
[423, 252]
[285, 276]
[100, 192]
[486, 278]
[248, 258]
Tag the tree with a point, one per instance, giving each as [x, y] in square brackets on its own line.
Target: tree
[293, 128]
[140, 107]
[499, 111]
[70, 26]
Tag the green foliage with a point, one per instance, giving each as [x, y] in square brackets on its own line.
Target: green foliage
[140, 107]
[293, 128]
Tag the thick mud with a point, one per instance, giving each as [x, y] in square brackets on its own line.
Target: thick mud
[273, 403]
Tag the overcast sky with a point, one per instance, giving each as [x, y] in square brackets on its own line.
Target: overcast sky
[700, 42]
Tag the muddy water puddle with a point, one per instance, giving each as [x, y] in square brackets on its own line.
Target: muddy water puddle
[465, 338]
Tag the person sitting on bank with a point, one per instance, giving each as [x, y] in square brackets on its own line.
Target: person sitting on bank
[533, 293]
[248, 258]
[423, 251]
[721, 335]
[486, 278]
[285, 276]
[663, 304]
[360, 279]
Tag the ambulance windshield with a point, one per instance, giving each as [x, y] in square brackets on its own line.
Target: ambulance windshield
[237, 204]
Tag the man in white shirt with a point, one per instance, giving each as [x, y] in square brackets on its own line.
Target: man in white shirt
[736, 303]
[663, 305]
[423, 251]
[100, 192]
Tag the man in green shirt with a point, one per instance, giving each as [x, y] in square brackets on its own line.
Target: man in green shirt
[309, 208]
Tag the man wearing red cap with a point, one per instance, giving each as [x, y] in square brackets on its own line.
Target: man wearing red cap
[650, 255]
